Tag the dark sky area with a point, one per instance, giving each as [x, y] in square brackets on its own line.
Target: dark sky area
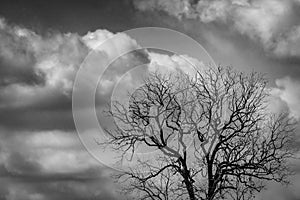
[70, 16]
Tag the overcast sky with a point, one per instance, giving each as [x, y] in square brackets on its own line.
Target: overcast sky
[43, 43]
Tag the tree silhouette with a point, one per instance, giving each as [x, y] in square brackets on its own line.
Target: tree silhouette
[213, 134]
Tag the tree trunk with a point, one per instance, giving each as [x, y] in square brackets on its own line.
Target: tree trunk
[211, 186]
[190, 189]
[188, 180]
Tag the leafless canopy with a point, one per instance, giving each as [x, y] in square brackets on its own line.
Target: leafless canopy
[213, 135]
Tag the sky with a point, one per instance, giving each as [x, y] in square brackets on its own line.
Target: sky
[43, 44]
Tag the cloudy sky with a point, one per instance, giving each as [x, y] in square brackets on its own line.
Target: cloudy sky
[43, 43]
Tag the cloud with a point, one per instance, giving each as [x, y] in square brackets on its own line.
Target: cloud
[270, 23]
[50, 165]
[247, 18]
[31, 58]
[16, 56]
[288, 90]
[37, 73]
[55, 58]
[177, 8]
[289, 43]
[48, 151]
[171, 63]
[41, 156]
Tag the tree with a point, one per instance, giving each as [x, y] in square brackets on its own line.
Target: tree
[213, 134]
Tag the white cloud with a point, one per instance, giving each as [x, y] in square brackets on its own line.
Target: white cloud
[49, 152]
[268, 22]
[288, 90]
[37, 69]
[50, 165]
[98, 40]
[261, 18]
[55, 58]
[171, 63]
[209, 11]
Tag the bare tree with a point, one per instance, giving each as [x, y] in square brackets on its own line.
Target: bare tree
[213, 135]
